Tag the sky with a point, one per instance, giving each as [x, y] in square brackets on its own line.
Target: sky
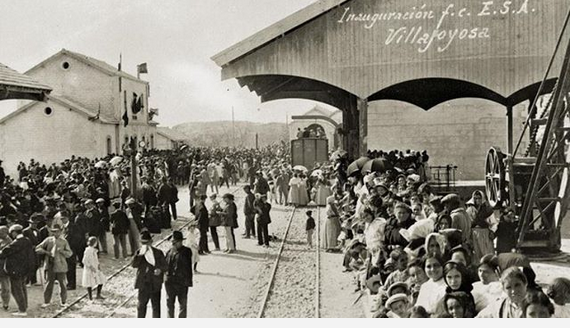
[176, 38]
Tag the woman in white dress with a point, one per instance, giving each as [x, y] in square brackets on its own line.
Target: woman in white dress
[433, 290]
[294, 190]
[303, 193]
[92, 275]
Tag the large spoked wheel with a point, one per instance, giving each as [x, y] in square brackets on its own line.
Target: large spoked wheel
[495, 177]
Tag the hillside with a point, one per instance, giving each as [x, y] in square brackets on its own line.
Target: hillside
[219, 134]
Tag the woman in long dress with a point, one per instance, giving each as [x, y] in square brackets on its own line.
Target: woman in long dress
[332, 224]
[303, 193]
[92, 275]
[480, 211]
[293, 196]
[323, 191]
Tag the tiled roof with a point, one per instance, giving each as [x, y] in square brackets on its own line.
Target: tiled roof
[96, 63]
[20, 85]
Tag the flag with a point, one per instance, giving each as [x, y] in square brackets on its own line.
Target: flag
[126, 119]
[120, 64]
[142, 69]
[136, 104]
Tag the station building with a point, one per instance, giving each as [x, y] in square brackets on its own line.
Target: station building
[84, 115]
[450, 77]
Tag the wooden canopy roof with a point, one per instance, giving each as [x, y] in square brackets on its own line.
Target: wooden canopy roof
[14, 85]
[422, 52]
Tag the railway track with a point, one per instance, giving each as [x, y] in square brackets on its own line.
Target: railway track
[294, 285]
[83, 308]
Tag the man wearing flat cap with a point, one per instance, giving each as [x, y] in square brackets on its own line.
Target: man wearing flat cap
[151, 266]
[178, 275]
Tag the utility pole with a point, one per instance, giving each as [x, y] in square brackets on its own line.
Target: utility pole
[256, 141]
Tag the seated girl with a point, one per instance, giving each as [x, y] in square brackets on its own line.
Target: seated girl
[488, 289]
[458, 305]
[433, 290]
[514, 283]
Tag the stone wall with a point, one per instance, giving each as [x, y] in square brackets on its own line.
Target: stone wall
[458, 132]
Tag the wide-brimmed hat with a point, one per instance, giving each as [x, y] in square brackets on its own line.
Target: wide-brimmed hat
[396, 298]
[100, 200]
[397, 285]
[373, 283]
[177, 235]
[130, 201]
[228, 196]
[89, 201]
[146, 236]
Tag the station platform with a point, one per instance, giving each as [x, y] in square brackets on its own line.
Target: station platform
[463, 188]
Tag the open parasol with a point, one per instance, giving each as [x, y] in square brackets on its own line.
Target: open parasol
[357, 165]
[300, 168]
[101, 164]
[116, 160]
[376, 165]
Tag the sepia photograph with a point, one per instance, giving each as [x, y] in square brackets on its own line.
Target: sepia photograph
[212, 159]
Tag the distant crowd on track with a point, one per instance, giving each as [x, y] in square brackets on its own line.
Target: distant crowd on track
[421, 255]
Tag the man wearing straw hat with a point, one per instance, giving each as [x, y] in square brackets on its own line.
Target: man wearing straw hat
[57, 250]
[151, 265]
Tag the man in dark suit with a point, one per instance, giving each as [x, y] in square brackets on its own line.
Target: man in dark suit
[119, 228]
[76, 240]
[33, 234]
[151, 265]
[178, 275]
[20, 260]
[168, 196]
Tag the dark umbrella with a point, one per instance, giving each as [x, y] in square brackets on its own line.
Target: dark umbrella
[376, 165]
[357, 165]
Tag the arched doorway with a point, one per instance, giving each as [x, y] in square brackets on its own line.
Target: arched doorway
[316, 131]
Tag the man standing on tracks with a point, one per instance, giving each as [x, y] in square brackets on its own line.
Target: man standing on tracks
[19, 263]
[178, 275]
[57, 251]
[249, 212]
[262, 207]
[151, 265]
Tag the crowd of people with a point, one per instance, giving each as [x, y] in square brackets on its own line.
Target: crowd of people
[419, 254]
[55, 220]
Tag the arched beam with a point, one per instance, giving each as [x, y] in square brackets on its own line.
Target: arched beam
[316, 117]
[430, 92]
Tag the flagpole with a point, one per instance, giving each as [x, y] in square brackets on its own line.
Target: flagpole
[233, 129]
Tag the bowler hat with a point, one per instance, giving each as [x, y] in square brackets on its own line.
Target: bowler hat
[146, 236]
[177, 235]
